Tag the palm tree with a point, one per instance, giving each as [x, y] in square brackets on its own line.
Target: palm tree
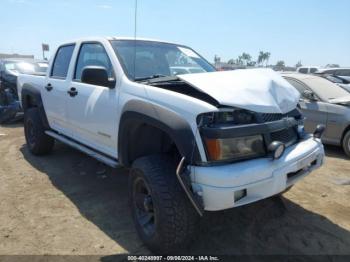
[267, 57]
[261, 57]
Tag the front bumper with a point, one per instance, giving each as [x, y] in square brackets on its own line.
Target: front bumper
[261, 178]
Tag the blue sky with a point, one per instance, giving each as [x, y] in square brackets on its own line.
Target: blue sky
[315, 32]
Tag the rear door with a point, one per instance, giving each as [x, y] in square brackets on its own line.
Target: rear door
[55, 89]
[315, 112]
[93, 110]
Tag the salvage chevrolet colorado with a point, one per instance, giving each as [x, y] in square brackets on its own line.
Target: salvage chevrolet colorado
[194, 142]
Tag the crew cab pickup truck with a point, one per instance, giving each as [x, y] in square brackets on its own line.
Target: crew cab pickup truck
[194, 142]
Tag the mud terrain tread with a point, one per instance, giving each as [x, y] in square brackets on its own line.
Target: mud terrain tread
[42, 143]
[177, 218]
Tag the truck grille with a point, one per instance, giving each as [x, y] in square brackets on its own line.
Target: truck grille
[287, 136]
[271, 117]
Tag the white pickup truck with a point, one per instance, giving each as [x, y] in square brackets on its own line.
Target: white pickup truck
[194, 142]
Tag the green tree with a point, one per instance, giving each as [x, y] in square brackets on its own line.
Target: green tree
[280, 65]
[246, 57]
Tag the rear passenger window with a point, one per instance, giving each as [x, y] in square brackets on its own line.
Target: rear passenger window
[61, 62]
[92, 54]
[313, 70]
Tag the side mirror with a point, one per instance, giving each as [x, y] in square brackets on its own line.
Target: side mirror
[96, 75]
[309, 95]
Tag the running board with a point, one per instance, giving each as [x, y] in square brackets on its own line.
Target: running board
[104, 159]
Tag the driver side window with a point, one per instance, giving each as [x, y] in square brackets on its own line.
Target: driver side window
[92, 54]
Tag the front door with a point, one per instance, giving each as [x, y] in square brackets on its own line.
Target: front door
[315, 113]
[93, 109]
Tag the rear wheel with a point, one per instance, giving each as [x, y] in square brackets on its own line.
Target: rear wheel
[346, 143]
[37, 141]
[164, 218]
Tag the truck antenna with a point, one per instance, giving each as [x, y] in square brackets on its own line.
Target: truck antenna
[135, 34]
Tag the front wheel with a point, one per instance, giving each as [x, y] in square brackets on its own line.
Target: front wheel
[346, 143]
[164, 218]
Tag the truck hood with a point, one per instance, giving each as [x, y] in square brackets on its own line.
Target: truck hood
[345, 100]
[259, 90]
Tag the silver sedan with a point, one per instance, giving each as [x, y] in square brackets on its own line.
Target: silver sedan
[323, 102]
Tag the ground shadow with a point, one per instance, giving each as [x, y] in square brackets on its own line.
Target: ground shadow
[272, 226]
[335, 151]
[13, 124]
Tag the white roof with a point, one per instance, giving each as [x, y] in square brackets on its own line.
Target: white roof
[108, 38]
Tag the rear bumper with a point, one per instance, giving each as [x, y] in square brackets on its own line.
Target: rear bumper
[260, 178]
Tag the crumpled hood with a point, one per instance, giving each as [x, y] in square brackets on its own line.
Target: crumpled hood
[341, 100]
[259, 90]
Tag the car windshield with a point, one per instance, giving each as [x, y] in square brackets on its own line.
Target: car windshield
[156, 59]
[325, 89]
[27, 67]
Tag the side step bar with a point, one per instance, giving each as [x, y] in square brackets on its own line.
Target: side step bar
[104, 159]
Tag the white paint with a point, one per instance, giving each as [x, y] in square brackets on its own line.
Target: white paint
[261, 178]
[259, 90]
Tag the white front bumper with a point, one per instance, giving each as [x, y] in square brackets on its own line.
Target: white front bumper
[261, 178]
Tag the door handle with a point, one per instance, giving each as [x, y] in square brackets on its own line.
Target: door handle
[49, 87]
[72, 91]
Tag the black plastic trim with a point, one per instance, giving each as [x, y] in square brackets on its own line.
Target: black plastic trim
[30, 93]
[139, 112]
[246, 130]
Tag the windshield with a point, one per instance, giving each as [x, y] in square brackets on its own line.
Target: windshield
[325, 89]
[156, 59]
[27, 67]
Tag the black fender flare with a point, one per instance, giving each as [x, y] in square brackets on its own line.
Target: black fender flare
[178, 129]
[31, 97]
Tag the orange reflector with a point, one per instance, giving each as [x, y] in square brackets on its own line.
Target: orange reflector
[213, 148]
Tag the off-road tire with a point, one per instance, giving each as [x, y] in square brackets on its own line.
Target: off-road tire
[175, 219]
[346, 143]
[37, 141]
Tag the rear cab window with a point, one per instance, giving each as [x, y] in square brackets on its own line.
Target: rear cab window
[62, 60]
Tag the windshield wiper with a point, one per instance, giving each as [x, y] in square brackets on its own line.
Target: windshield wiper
[156, 78]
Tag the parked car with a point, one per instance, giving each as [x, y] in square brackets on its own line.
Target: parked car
[340, 81]
[307, 69]
[193, 142]
[180, 70]
[324, 102]
[9, 70]
[343, 72]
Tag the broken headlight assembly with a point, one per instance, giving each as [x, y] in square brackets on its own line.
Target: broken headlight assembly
[227, 117]
[235, 148]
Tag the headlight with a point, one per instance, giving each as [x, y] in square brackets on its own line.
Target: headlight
[227, 116]
[235, 148]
